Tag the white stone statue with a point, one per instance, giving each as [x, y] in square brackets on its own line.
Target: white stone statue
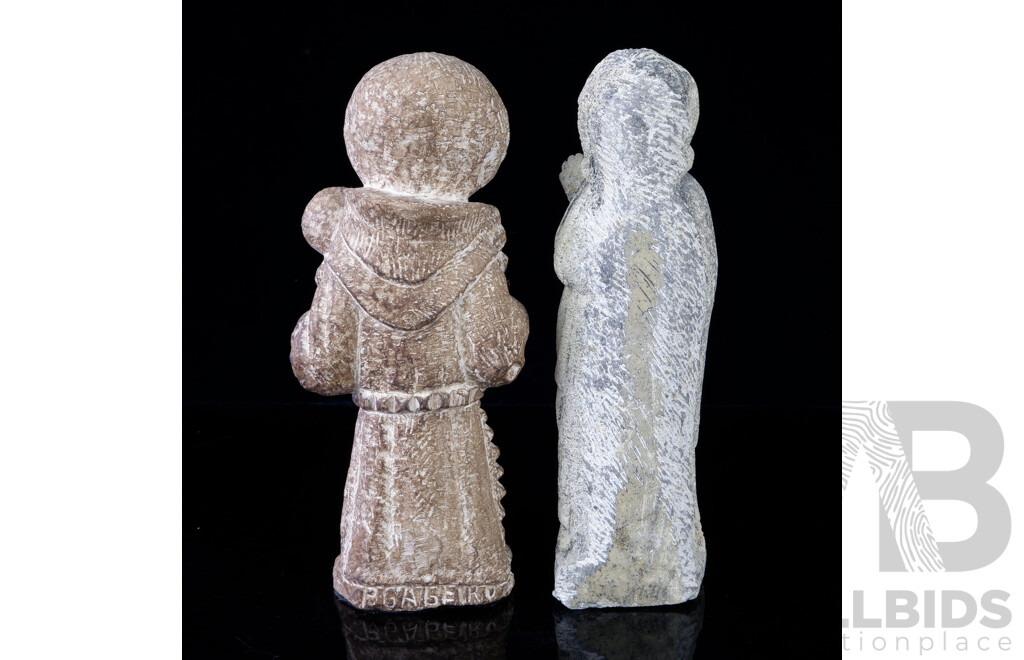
[636, 252]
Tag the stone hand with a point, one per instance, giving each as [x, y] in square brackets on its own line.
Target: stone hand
[571, 175]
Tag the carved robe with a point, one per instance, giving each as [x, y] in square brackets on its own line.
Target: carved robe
[412, 315]
[636, 252]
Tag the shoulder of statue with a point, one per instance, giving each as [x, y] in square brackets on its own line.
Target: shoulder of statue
[404, 271]
[322, 216]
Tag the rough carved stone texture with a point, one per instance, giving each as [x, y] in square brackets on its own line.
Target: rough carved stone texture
[426, 124]
[636, 252]
[412, 315]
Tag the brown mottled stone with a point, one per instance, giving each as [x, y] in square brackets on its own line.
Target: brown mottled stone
[412, 316]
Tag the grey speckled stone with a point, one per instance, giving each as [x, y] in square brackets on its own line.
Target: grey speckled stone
[636, 252]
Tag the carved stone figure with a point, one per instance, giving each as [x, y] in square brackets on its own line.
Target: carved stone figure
[412, 315]
[636, 252]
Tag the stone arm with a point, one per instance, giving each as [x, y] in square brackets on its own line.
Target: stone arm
[494, 327]
[324, 340]
[572, 176]
[321, 217]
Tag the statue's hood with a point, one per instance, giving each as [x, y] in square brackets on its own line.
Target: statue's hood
[406, 259]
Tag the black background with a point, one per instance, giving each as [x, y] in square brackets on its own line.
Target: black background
[265, 93]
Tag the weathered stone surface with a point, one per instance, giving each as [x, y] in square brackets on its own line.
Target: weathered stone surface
[412, 315]
[426, 124]
[636, 252]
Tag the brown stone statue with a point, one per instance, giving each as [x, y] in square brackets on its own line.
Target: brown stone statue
[412, 315]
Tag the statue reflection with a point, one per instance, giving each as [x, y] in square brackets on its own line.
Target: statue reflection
[456, 632]
[619, 633]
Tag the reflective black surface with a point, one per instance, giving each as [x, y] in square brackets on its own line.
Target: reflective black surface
[265, 90]
[261, 533]
[661, 632]
[470, 632]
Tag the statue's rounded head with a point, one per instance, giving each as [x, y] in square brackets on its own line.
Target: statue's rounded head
[637, 113]
[428, 125]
